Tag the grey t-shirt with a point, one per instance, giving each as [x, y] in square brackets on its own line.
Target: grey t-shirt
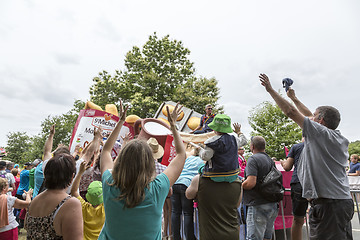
[257, 165]
[321, 169]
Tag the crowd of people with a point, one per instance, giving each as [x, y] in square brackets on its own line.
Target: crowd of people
[91, 194]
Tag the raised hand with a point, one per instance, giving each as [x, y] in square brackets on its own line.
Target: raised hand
[265, 81]
[126, 138]
[83, 167]
[291, 93]
[122, 112]
[30, 192]
[52, 129]
[237, 127]
[97, 133]
[174, 114]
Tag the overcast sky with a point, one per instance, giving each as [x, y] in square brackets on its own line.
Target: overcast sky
[51, 50]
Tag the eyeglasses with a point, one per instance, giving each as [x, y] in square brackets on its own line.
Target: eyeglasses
[209, 109]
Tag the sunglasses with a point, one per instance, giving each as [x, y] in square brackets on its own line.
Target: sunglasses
[209, 109]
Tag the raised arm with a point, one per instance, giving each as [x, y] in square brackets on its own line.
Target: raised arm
[49, 143]
[93, 146]
[106, 161]
[288, 109]
[300, 106]
[177, 164]
[241, 139]
[76, 183]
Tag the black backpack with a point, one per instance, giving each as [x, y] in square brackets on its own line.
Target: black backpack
[271, 187]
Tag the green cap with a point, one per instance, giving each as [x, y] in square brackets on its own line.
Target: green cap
[221, 123]
[94, 193]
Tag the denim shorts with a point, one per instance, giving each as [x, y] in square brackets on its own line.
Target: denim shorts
[260, 221]
[299, 204]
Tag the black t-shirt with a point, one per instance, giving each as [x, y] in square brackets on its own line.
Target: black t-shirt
[257, 165]
[295, 153]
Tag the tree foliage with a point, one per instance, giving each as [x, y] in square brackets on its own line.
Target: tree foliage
[267, 120]
[22, 148]
[159, 71]
[354, 148]
[18, 144]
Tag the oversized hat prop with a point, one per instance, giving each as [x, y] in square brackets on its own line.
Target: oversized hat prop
[156, 148]
[221, 123]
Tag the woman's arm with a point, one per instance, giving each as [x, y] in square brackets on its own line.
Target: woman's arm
[71, 220]
[49, 143]
[93, 146]
[106, 161]
[177, 164]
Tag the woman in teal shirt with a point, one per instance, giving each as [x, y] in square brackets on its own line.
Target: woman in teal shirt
[133, 195]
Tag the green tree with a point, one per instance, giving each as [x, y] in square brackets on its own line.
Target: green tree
[64, 125]
[18, 144]
[267, 120]
[197, 93]
[159, 71]
[354, 147]
[22, 148]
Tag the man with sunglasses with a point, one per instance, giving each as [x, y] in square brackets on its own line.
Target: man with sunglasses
[205, 120]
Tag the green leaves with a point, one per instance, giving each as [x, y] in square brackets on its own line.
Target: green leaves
[268, 121]
[354, 148]
[159, 71]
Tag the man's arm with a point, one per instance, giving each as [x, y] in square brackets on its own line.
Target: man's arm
[288, 164]
[300, 106]
[288, 109]
[49, 143]
[192, 190]
[249, 183]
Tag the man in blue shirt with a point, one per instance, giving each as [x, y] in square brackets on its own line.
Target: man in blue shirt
[299, 204]
[205, 120]
[354, 165]
[24, 180]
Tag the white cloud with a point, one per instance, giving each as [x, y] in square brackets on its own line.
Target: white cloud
[50, 51]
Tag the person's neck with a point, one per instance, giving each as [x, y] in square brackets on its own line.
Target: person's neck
[56, 191]
[258, 151]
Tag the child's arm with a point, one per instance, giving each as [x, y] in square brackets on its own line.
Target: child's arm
[206, 153]
[76, 183]
[240, 139]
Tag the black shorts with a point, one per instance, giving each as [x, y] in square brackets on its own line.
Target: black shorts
[331, 219]
[299, 204]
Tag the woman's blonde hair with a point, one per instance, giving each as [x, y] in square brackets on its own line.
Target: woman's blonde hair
[3, 183]
[133, 170]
